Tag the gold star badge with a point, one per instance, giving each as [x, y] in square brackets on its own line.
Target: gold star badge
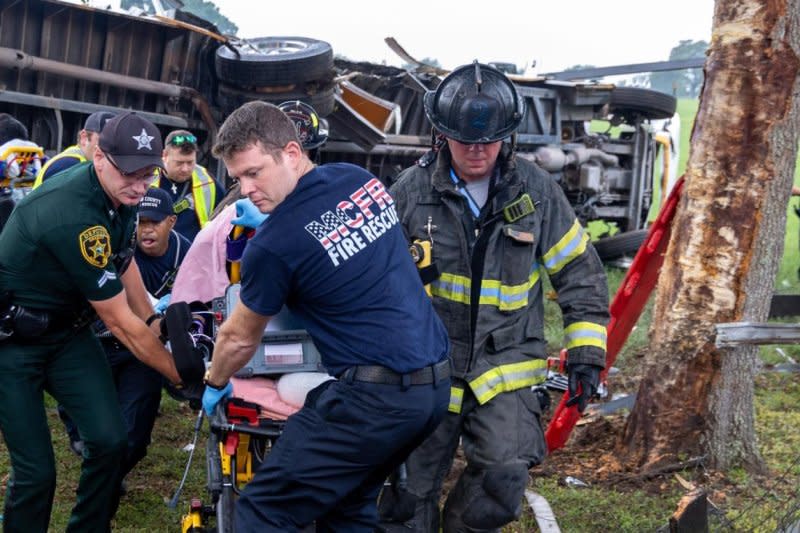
[95, 245]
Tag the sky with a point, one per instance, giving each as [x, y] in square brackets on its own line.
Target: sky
[555, 34]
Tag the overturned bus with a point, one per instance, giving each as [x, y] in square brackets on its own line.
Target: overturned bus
[60, 61]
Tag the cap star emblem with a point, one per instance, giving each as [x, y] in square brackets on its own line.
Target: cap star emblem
[143, 139]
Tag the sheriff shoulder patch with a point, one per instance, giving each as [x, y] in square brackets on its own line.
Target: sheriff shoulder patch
[95, 244]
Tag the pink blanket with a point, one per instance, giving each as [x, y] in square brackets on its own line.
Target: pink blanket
[264, 392]
[202, 276]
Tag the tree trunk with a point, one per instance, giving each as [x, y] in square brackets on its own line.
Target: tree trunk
[727, 241]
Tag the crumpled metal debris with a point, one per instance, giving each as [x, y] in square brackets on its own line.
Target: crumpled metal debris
[575, 482]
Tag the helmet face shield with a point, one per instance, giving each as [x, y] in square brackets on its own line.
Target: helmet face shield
[475, 104]
[312, 131]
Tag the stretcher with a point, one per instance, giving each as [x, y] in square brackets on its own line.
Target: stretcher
[19, 163]
[239, 440]
[245, 427]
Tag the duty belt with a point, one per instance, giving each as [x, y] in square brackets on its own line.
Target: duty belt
[387, 376]
[109, 341]
[29, 324]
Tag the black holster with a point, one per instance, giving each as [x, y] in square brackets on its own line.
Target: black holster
[30, 323]
[6, 316]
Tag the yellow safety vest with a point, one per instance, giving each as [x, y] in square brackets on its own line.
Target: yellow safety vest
[204, 193]
[73, 151]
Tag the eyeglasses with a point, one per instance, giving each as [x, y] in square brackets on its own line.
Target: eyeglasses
[146, 175]
[180, 140]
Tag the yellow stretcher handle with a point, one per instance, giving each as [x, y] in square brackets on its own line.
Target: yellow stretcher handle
[236, 266]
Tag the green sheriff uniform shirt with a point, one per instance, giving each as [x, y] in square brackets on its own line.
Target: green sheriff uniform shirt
[58, 248]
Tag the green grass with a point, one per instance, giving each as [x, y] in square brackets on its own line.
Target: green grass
[150, 485]
[600, 509]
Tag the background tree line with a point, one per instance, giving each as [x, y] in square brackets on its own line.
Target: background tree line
[679, 83]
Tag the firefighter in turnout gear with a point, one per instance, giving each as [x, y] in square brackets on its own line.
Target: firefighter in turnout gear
[495, 225]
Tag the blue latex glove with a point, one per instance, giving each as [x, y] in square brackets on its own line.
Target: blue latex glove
[247, 214]
[212, 396]
[162, 304]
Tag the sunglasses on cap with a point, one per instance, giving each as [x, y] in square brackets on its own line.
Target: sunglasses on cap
[180, 140]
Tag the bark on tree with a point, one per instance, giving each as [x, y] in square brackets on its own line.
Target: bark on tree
[727, 241]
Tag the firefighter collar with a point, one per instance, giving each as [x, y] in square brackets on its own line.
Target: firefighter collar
[462, 189]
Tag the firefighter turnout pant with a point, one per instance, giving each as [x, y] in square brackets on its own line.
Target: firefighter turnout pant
[501, 440]
[73, 369]
[334, 455]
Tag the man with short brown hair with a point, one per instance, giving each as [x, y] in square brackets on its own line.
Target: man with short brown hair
[332, 251]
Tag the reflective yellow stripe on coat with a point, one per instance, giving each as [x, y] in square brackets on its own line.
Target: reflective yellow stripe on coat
[570, 246]
[585, 334]
[493, 292]
[456, 399]
[507, 378]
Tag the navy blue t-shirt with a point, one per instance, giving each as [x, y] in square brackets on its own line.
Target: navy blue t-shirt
[158, 273]
[334, 253]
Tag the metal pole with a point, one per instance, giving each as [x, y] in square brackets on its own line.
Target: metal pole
[17, 59]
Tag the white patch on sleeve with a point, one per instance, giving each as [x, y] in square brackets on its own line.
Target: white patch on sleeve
[107, 276]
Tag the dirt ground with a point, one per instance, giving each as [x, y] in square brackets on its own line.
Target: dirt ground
[591, 454]
[588, 456]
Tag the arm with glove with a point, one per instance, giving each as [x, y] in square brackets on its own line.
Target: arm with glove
[580, 282]
[585, 341]
[583, 297]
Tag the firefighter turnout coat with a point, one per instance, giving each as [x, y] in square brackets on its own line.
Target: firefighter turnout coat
[489, 290]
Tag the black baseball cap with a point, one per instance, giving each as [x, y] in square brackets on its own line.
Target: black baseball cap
[156, 204]
[133, 142]
[97, 120]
